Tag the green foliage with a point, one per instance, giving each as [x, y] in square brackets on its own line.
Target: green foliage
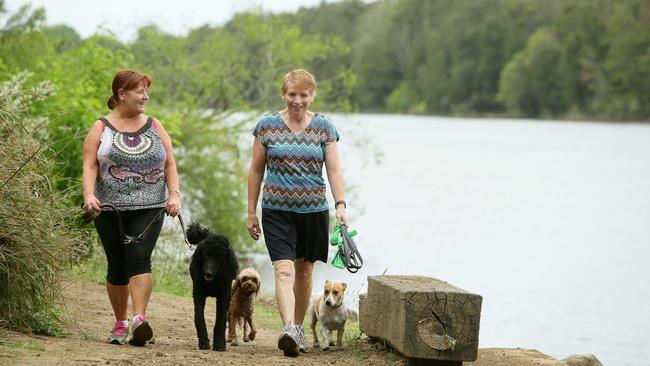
[213, 171]
[627, 63]
[36, 240]
[440, 56]
[450, 57]
[402, 98]
[531, 84]
[337, 21]
[413, 56]
[62, 37]
[591, 57]
[237, 67]
[377, 58]
[82, 77]
[22, 45]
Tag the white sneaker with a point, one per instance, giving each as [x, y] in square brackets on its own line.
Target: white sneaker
[302, 345]
[288, 341]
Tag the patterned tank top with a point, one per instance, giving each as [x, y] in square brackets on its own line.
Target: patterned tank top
[131, 168]
[294, 163]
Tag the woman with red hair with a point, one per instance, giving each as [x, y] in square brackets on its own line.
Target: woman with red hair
[128, 162]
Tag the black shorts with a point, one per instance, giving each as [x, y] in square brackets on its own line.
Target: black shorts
[292, 235]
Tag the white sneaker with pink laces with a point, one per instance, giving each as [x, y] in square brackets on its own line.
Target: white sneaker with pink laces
[119, 333]
[141, 331]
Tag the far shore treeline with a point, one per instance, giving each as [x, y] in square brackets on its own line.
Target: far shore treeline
[584, 59]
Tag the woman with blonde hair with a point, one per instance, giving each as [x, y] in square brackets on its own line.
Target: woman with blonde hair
[292, 145]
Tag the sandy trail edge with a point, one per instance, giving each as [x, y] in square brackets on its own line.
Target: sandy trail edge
[176, 344]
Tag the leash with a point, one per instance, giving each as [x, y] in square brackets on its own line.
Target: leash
[129, 239]
[348, 255]
[352, 257]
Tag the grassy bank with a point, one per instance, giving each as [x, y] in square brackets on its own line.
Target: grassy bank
[38, 239]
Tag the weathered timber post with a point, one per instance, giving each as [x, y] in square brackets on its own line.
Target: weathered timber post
[427, 320]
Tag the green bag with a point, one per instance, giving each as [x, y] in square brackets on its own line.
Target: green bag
[340, 238]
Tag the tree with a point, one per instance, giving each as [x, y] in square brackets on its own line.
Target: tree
[627, 64]
[82, 78]
[22, 45]
[62, 37]
[530, 83]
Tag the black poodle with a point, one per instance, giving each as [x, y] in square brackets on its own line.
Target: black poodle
[213, 267]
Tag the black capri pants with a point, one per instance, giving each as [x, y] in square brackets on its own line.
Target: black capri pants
[292, 235]
[128, 260]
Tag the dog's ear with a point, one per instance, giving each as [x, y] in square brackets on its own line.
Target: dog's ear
[235, 284]
[259, 286]
[345, 286]
[196, 233]
[328, 283]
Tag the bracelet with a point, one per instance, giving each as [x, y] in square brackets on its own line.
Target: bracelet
[340, 202]
[175, 190]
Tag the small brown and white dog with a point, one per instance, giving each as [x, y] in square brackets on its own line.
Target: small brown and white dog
[245, 288]
[329, 310]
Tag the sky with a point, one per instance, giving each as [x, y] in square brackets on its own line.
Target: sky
[124, 17]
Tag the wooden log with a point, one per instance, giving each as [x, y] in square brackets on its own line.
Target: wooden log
[422, 318]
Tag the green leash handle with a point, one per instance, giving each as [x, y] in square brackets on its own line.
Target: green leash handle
[348, 255]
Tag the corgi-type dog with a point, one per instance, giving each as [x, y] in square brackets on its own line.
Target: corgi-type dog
[329, 310]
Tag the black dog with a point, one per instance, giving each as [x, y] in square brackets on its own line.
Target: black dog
[213, 267]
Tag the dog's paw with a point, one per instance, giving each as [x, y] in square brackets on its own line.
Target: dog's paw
[219, 347]
[246, 339]
[325, 348]
[332, 343]
[204, 345]
[234, 343]
[252, 335]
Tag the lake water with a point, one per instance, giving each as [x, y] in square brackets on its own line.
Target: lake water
[548, 221]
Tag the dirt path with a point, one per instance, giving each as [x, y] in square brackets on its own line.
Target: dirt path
[175, 341]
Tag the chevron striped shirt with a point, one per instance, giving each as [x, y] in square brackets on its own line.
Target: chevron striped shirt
[294, 163]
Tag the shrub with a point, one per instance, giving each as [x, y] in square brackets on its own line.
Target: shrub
[36, 241]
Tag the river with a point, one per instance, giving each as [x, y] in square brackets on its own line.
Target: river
[548, 221]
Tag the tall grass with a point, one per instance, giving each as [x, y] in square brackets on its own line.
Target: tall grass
[36, 243]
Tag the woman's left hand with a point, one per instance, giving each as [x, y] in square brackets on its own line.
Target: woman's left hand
[342, 216]
[173, 205]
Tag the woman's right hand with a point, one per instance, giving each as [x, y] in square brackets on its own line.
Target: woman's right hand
[253, 227]
[91, 203]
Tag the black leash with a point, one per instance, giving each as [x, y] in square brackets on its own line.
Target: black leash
[351, 256]
[129, 239]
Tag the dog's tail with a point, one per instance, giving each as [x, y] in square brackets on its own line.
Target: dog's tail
[196, 233]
